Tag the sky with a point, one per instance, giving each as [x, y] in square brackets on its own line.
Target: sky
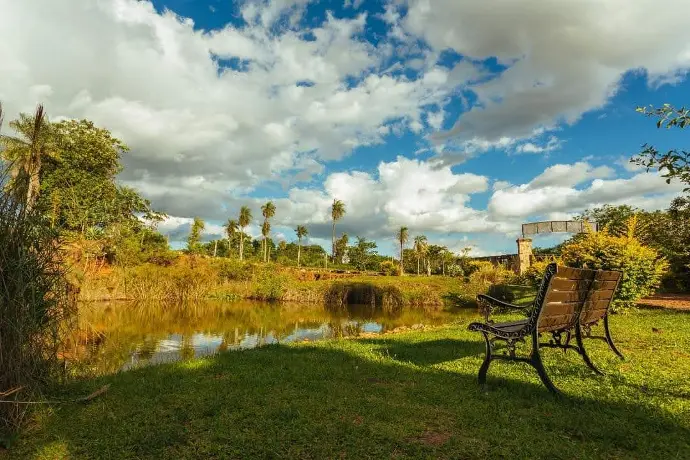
[460, 120]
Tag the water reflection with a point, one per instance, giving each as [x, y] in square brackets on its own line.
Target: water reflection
[118, 336]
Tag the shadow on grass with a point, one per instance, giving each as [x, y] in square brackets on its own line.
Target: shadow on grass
[344, 401]
[428, 352]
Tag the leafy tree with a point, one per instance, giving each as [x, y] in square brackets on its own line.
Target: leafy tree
[420, 248]
[79, 190]
[194, 238]
[268, 211]
[614, 218]
[337, 213]
[301, 232]
[341, 248]
[363, 254]
[244, 220]
[26, 153]
[673, 164]
[402, 236]
[231, 229]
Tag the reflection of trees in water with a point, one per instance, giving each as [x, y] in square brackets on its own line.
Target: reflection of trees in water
[345, 328]
[147, 349]
[110, 333]
[187, 347]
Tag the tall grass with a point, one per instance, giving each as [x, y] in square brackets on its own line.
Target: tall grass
[34, 303]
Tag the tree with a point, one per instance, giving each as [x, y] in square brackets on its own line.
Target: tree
[673, 164]
[420, 247]
[301, 232]
[194, 238]
[268, 210]
[337, 213]
[26, 153]
[611, 217]
[244, 220]
[231, 228]
[362, 255]
[341, 248]
[402, 237]
[79, 191]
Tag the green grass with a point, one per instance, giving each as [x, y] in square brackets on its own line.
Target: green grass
[411, 395]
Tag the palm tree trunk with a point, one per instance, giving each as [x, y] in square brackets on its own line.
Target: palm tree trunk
[215, 248]
[241, 244]
[299, 251]
[402, 269]
[417, 265]
[333, 242]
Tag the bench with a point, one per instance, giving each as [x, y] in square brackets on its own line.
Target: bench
[570, 301]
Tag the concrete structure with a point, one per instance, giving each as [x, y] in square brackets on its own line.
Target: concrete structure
[524, 254]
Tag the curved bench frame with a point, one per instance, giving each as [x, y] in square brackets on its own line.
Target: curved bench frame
[556, 311]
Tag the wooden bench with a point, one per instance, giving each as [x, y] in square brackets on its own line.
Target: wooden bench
[569, 300]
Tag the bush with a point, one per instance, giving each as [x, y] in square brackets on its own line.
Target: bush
[270, 286]
[501, 292]
[234, 270]
[534, 275]
[389, 268]
[486, 273]
[642, 266]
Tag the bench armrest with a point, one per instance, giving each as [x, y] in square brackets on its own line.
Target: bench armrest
[489, 302]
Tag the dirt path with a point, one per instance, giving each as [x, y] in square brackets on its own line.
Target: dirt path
[673, 301]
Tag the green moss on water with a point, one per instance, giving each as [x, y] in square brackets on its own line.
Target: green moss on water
[411, 395]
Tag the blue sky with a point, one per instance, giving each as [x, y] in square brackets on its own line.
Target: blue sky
[460, 120]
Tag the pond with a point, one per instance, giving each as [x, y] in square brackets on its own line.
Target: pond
[114, 336]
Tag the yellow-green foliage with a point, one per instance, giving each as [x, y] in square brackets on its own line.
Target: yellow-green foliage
[389, 268]
[486, 273]
[534, 275]
[641, 265]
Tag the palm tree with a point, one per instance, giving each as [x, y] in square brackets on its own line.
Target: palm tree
[26, 152]
[268, 210]
[231, 229]
[265, 231]
[402, 236]
[337, 213]
[301, 231]
[420, 247]
[244, 220]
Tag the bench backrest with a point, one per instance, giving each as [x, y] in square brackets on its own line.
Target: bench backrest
[568, 293]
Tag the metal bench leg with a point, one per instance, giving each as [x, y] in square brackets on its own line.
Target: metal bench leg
[583, 352]
[487, 360]
[609, 340]
[539, 366]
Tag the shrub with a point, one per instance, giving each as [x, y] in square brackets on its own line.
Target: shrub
[270, 285]
[534, 275]
[501, 292]
[486, 273]
[389, 268]
[234, 270]
[642, 266]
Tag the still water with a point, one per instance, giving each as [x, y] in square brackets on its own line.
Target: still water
[115, 336]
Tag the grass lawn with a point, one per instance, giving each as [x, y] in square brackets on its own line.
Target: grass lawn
[411, 395]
